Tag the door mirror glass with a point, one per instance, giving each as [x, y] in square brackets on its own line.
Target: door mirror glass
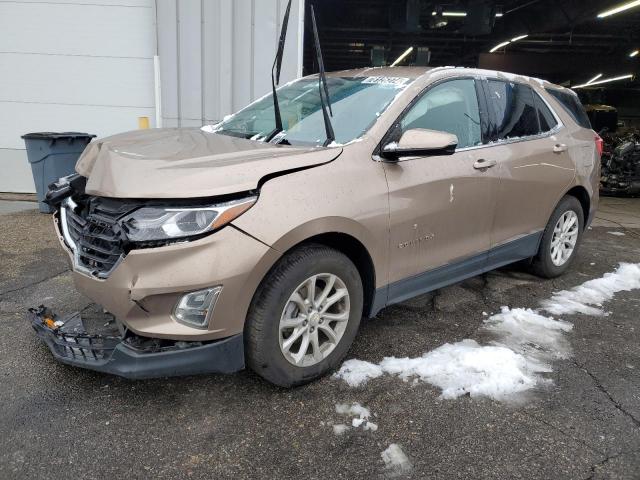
[420, 142]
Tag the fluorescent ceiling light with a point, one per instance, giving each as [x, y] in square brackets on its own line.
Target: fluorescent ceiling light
[606, 80]
[499, 46]
[634, 53]
[460, 14]
[515, 39]
[450, 14]
[619, 8]
[402, 57]
[594, 79]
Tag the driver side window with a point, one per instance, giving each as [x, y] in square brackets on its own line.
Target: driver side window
[450, 107]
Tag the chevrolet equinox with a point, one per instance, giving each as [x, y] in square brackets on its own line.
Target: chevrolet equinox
[263, 240]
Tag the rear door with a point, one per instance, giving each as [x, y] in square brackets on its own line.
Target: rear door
[531, 148]
[441, 207]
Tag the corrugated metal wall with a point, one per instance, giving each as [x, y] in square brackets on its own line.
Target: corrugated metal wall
[216, 55]
[87, 65]
[71, 65]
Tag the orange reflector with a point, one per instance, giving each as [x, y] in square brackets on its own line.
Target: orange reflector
[49, 322]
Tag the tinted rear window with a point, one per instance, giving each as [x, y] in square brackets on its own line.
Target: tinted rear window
[514, 108]
[572, 106]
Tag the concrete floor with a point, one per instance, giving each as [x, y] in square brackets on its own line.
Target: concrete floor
[61, 422]
[618, 212]
[13, 206]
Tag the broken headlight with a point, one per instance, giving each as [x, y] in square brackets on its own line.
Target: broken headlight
[162, 223]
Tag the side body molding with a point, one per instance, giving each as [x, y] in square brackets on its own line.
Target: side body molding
[510, 252]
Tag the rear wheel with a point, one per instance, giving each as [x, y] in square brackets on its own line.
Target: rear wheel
[560, 239]
[304, 316]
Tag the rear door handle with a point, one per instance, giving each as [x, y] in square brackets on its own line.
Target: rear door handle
[559, 148]
[483, 164]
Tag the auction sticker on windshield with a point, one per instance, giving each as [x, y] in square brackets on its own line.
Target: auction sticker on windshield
[391, 81]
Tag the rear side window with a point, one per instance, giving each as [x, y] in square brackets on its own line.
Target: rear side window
[572, 106]
[547, 120]
[515, 113]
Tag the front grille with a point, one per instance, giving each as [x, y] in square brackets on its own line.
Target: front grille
[95, 234]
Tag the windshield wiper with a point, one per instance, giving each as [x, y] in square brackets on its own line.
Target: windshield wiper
[322, 85]
[275, 74]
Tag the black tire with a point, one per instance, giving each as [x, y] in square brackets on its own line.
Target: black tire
[261, 334]
[542, 264]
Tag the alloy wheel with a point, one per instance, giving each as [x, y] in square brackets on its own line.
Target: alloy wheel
[314, 319]
[565, 237]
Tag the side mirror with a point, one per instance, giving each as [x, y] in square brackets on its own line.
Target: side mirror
[420, 142]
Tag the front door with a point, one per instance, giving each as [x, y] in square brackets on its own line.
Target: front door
[441, 207]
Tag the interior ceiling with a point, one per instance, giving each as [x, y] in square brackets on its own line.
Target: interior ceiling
[566, 40]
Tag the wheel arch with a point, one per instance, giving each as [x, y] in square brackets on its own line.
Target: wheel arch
[346, 236]
[358, 254]
[581, 194]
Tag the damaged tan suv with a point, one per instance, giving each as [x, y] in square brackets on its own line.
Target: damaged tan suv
[264, 239]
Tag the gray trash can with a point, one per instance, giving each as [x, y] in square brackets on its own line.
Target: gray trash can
[52, 156]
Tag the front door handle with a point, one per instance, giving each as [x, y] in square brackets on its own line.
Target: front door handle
[559, 148]
[483, 164]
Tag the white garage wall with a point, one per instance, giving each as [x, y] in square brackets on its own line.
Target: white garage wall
[71, 65]
[216, 55]
[87, 65]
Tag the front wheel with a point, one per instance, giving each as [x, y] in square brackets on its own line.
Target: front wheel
[304, 316]
[560, 239]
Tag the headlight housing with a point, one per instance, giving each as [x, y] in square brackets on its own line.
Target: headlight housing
[163, 223]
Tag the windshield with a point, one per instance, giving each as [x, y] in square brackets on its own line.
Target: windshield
[356, 102]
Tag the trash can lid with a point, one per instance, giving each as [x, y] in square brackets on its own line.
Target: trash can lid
[56, 135]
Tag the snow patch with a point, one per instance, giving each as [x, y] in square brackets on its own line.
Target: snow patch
[353, 409]
[529, 333]
[469, 368]
[340, 429]
[371, 426]
[524, 343]
[617, 234]
[396, 461]
[589, 297]
[356, 422]
[461, 368]
[357, 372]
[361, 417]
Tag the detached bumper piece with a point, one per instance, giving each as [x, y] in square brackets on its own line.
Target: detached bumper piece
[101, 347]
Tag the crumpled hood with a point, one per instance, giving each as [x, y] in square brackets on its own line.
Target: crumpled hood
[186, 163]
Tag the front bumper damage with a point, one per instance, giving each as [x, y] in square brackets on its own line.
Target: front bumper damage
[141, 284]
[94, 340]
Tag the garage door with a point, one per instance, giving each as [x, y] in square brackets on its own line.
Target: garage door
[71, 65]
